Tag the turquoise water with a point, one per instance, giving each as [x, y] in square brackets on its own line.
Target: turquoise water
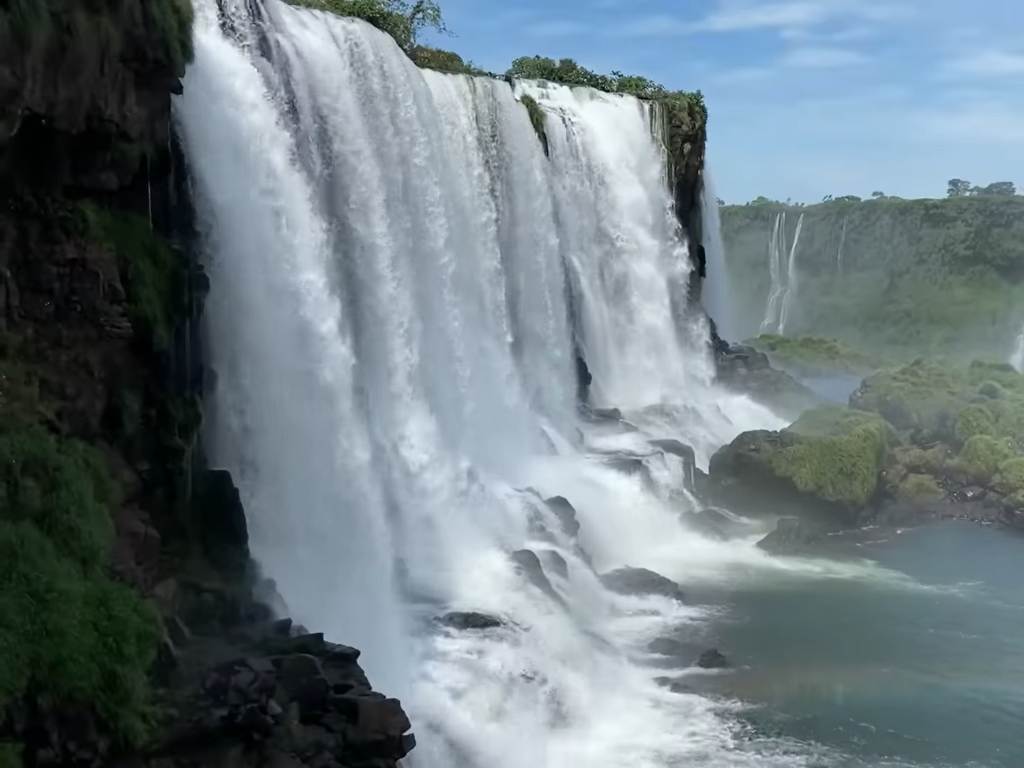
[918, 661]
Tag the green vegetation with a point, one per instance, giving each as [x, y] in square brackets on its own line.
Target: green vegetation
[894, 278]
[982, 455]
[811, 353]
[1010, 481]
[839, 457]
[568, 72]
[401, 19]
[537, 119]
[440, 60]
[946, 402]
[155, 281]
[919, 488]
[173, 19]
[76, 637]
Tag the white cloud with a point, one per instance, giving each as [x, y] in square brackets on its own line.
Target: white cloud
[822, 57]
[990, 63]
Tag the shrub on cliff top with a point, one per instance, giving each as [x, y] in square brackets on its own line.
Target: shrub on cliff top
[568, 72]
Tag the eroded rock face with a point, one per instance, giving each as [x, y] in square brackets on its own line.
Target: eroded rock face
[791, 536]
[640, 581]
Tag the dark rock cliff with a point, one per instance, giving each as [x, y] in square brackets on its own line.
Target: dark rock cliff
[127, 596]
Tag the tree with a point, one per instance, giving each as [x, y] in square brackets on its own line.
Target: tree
[878, 195]
[998, 189]
[420, 14]
[958, 188]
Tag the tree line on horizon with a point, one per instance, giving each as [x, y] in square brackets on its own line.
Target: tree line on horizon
[955, 188]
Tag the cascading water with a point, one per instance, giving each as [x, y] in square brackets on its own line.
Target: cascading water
[1017, 358]
[718, 296]
[782, 271]
[401, 281]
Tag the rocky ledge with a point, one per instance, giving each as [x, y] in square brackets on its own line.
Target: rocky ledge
[272, 695]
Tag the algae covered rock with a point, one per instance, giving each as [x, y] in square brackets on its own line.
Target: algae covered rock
[831, 458]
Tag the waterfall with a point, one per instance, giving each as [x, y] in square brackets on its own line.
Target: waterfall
[782, 274]
[400, 283]
[718, 295]
[842, 245]
[1017, 358]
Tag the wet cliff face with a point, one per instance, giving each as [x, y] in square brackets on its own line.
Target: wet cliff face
[85, 88]
[687, 128]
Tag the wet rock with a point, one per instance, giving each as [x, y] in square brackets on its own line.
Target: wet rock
[684, 452]
[640, 581]
[566, 514]
[219, 512]
[530, 566]
[715, 523]
[791, 536]
[469, 620]
[302, 679]
[666, 646]
[554, 563]
[712, 659]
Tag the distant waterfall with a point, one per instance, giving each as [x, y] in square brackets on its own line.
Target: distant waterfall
[400, 282]
[842, 245]
[1017, 358]
[719, 299]
[783, 275]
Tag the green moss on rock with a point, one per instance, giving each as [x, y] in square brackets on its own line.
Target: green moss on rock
[812, 353]
[1009, 481]
[974, 420]
[919, 488]
[537, 119]
[982, 456]
[830, 454]
[839, 458]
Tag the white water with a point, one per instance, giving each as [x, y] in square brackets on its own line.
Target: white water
[392, 260]
[1017, 358]
[717, 293]
[783, 274]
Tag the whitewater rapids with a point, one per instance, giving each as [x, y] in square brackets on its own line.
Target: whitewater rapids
[402, 282]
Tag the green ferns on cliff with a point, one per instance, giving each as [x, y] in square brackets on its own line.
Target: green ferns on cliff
[77, 638]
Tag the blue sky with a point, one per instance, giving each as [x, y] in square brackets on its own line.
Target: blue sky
[807, 97]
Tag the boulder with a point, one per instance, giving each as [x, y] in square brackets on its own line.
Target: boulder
[748, 371]
[667, 646]
[566, 514]
[640, 581]
[684, 452]
[828, 464]
[469, 620]
[792, 536]
[554, 563]
[712, 659]
[528, 564]
[715, 523]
